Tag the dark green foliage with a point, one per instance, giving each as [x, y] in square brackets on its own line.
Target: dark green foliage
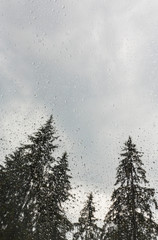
[86, 228]
[14, 186]
[33, 186]
[130, 216]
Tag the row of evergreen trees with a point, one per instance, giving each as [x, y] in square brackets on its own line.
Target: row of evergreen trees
[35, 184]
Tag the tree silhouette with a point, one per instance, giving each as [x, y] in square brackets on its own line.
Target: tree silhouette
[86, 228]
[34, 185]
[130, 216]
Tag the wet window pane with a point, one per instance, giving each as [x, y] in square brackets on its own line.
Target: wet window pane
[79, 111]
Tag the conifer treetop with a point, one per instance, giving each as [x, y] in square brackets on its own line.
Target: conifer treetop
[130, 215]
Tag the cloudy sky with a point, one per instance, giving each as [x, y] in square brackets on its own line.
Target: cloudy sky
[94, 66]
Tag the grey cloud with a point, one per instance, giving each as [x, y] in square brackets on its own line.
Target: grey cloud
[95, 64]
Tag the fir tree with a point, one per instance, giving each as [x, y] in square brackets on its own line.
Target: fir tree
[14, 186]
[34, 186]
[130, 216]
[51, 208]
[86, 228]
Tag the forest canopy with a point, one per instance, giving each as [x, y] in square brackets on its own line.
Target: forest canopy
[35, 184]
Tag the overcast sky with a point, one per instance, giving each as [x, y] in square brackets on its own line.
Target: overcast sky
[94, 66]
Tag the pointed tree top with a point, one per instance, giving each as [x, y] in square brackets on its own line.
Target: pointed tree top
[49, 121]
[50, 118]
[90, 196]
[129, 142]
[130, 139]
[130, 145]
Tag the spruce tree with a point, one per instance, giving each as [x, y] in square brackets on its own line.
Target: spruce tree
[86, 228]
[130, 216]
[54, 193]
[14, 186]
[34, 186]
